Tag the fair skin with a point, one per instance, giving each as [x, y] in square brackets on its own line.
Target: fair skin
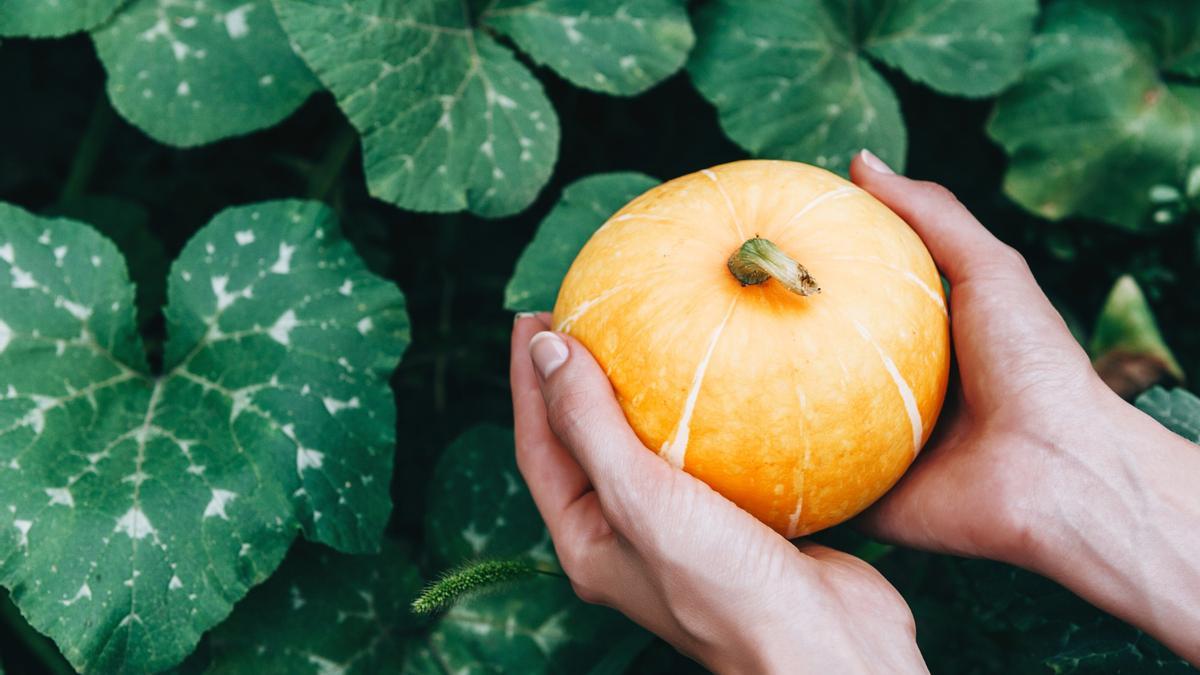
[1034, 462]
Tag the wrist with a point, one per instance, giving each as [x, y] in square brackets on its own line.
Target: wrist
[1114, 521]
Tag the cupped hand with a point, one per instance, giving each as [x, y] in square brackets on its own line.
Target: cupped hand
[1024, 390]
[662, 547]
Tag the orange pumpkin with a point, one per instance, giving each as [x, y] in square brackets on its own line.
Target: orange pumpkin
[771, 329]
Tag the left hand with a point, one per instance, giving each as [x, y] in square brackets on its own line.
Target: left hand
[662, 547]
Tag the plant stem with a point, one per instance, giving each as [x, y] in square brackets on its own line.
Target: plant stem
[758, 260]
[322, 179]
[91, 146]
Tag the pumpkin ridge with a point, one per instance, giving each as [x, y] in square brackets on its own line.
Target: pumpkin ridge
[831, 195]
[737, 220]
[671, 449]
[902, 387]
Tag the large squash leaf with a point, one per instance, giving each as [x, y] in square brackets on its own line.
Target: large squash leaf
[582, 209]
[1096, 122]
[1177, 409]
[613, 46]
[450, 120]
[322, 613]
[790, 78]
[137, 508]
[40, 18]
[189, 72]
[478, 503]
[478, 508]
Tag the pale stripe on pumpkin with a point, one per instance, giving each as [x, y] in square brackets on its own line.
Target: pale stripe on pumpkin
[837, 193]
[737, 222]
[582, 308]
[802, 472]
[906, 393]
[908, 275]
[676, 447]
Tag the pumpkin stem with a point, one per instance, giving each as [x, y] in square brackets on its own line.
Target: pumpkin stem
[758, 260]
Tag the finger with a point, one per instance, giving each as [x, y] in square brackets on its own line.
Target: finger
[584, 414]
[555, 479]
[957, 241]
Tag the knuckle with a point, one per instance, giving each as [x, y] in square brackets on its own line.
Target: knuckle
[589, 594]
[937, 192]
[574, 560]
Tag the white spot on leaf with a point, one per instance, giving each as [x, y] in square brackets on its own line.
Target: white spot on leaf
[284, 264]
[281, 331]
[216, 505]
[23, 527]
[135, 524]
[235, 22]
[60, 496]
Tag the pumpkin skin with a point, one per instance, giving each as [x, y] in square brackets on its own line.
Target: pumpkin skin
[802, 410]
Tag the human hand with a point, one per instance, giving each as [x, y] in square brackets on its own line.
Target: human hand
[675, 556]
[1034, 460]
[1024, 386]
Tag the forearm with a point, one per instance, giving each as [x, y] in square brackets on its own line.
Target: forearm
[1120, 525]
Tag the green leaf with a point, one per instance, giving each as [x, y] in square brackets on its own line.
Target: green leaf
[1177, 410]
[449, 119]
[479, 506]
[127, 224]
[582, 209]
[612, 46]
[1094, 125]
[964, 47]
[790, 80]
[285, 626]
[189, 72]
[322, 613]
[1127, 341]
[538, 626]
[39, 18]
[137, 508]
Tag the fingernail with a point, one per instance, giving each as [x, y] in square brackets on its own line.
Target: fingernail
[548, 352]
[523, 315]
[874, 163]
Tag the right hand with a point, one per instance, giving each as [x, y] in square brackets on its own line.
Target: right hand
[1035, 461]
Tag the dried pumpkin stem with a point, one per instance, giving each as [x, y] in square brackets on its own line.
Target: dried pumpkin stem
[758, 260]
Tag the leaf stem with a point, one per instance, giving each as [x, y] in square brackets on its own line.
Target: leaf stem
[91, 146]
[323, 178]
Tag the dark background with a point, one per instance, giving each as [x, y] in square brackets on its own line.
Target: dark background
[61, 143]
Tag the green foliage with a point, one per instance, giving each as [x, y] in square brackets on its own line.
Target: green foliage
[39, 18]
[1105, 111]
[582, 209]
[1127, 339]
[450, 119]
[535, 625]
[611, 46]
[322, 612]
[193, 72]
[1178, 410]
[142, 505]
[791, 79]
[482, 106]
[469, 580]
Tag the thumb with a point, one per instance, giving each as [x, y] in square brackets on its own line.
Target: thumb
[959, 244]
[583, 412]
